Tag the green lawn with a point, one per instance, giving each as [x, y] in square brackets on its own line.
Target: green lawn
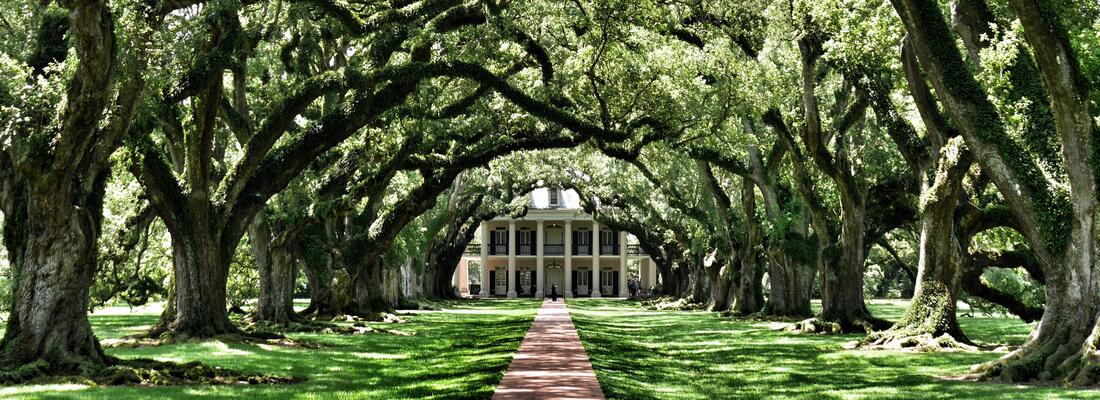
[458, 353]
[644, 354]
[462, 352]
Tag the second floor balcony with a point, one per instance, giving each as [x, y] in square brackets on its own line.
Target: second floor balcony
[553, 249]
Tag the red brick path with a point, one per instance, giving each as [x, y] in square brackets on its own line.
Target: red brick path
[550, 364]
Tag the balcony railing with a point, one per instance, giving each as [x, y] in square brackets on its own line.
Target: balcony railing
[553, 249]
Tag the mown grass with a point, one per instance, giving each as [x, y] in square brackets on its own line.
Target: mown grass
[644, 354]
[459, 353]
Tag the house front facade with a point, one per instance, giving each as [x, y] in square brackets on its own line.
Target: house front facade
[555, 246]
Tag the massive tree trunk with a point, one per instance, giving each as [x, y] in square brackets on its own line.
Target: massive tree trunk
[275, 263]
[320, 262]
[720, 277]
[444, 256]
[842, 288]
[790, 280]
[370, 292]
[750, 298]
[842, 285]
[52, 198]
[319, 277]
[788, 283]
[676, 281]
[48, 322]
[931, 314]
[930, 320]
[438, 279]
[201, 270]
[276, 301]
[699, 282]
[1062, 347]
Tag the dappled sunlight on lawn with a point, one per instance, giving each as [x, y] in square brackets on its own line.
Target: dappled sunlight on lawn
[456, 354]
[34, 390]
[645, 354]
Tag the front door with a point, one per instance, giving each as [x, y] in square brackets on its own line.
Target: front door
[501, 281]
[609, 281]
[526, 282]
[555, 276]
[582, 282]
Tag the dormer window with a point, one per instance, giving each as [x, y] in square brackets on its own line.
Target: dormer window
[555, 198]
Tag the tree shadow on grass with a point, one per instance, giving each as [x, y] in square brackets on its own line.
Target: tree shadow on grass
[448, 356]
[697, 355]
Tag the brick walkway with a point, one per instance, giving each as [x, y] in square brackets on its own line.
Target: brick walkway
[550, 364]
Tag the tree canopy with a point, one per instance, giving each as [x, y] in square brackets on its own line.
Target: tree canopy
[763, 153]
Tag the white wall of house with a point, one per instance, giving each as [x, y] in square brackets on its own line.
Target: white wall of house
[533, 251]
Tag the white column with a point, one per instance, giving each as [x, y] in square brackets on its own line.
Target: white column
[652, 267]
[484, 261]
[464, 277]
[539, 279]
[454, 277]
[595, 259]
[568, 289]
[622, 264]
[511, 278]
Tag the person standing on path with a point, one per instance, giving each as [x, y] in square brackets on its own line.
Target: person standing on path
[554, 293]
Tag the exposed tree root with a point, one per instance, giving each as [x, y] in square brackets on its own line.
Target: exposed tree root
[672, 303]
[815, 325]
[250, 337]
[900, 340]
[761, 316]
[385, 317]
[24, 373]
[1045, 362]
[829, 326]
[141, 372]
[358, 327]
[156, 373]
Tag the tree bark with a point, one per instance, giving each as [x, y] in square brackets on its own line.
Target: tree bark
[276, 300]
[321, 297]
[842, 282]
[930, 320]
[52, 194]
[720, 282]
[1061, 348]
[271, 302]
[790, 281]
[48, 322]
[698, 282]
[201, 271]
[750, 298]
[370, 288]
[842, 287]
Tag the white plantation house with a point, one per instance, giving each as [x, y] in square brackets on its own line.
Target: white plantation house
[552, 245]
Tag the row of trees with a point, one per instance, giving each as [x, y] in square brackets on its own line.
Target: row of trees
[165, 149]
